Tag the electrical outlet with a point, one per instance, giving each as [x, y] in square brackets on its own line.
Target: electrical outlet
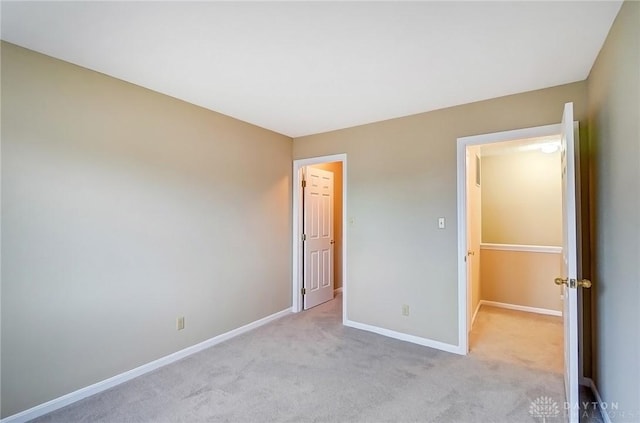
[405, 310]
[180, 323]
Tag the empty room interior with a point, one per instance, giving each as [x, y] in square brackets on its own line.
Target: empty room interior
[320, 211]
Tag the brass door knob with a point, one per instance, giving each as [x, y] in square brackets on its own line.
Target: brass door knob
[572, 283]
[584, 283]
[560, 281]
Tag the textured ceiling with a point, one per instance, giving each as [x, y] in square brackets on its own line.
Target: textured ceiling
[300, 68]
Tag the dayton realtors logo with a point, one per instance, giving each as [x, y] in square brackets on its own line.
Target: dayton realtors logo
[544, 408]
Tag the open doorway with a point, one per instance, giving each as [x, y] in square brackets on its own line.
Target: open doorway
[570, 278]
[512, 252]
[312, 199]
[516, 214]
[514, 226]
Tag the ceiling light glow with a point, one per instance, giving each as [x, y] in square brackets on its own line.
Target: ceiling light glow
[549, 148]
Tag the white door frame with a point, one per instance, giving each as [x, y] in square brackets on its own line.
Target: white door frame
[297, 278]
[462, 144]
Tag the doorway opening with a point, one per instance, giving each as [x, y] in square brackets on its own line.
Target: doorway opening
[570, 278]
[514, 251]
[472, 247]
[308, 253]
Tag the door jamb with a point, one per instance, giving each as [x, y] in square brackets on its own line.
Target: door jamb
[462, 143]
[296, 297]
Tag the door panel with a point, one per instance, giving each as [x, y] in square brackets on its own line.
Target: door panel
[570, 263]
[474, 223]
[318, 229]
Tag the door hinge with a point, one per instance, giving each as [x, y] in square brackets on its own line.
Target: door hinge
[304, 237]
[304, 183]
[303, 291]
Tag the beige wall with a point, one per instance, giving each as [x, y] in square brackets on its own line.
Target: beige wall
[336, 168]
[521, 278]
[121, 210]
[401, 178]
[522, 198]
[522, 205]
[614, 127]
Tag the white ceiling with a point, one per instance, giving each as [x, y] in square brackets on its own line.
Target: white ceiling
[301, 68]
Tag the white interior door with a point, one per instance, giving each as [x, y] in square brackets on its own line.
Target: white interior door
[569, 277]
[474, 223]
[318, 237]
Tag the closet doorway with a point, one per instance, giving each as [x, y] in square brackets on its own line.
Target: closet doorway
[306, 198]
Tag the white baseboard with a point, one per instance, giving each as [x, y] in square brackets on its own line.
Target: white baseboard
[337, 291]
[522, 308]
[87, 391]
[406, 337]
[601, 406]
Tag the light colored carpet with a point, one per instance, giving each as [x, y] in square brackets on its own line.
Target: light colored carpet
[527, 339]
[530, 340]
[308, 367]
